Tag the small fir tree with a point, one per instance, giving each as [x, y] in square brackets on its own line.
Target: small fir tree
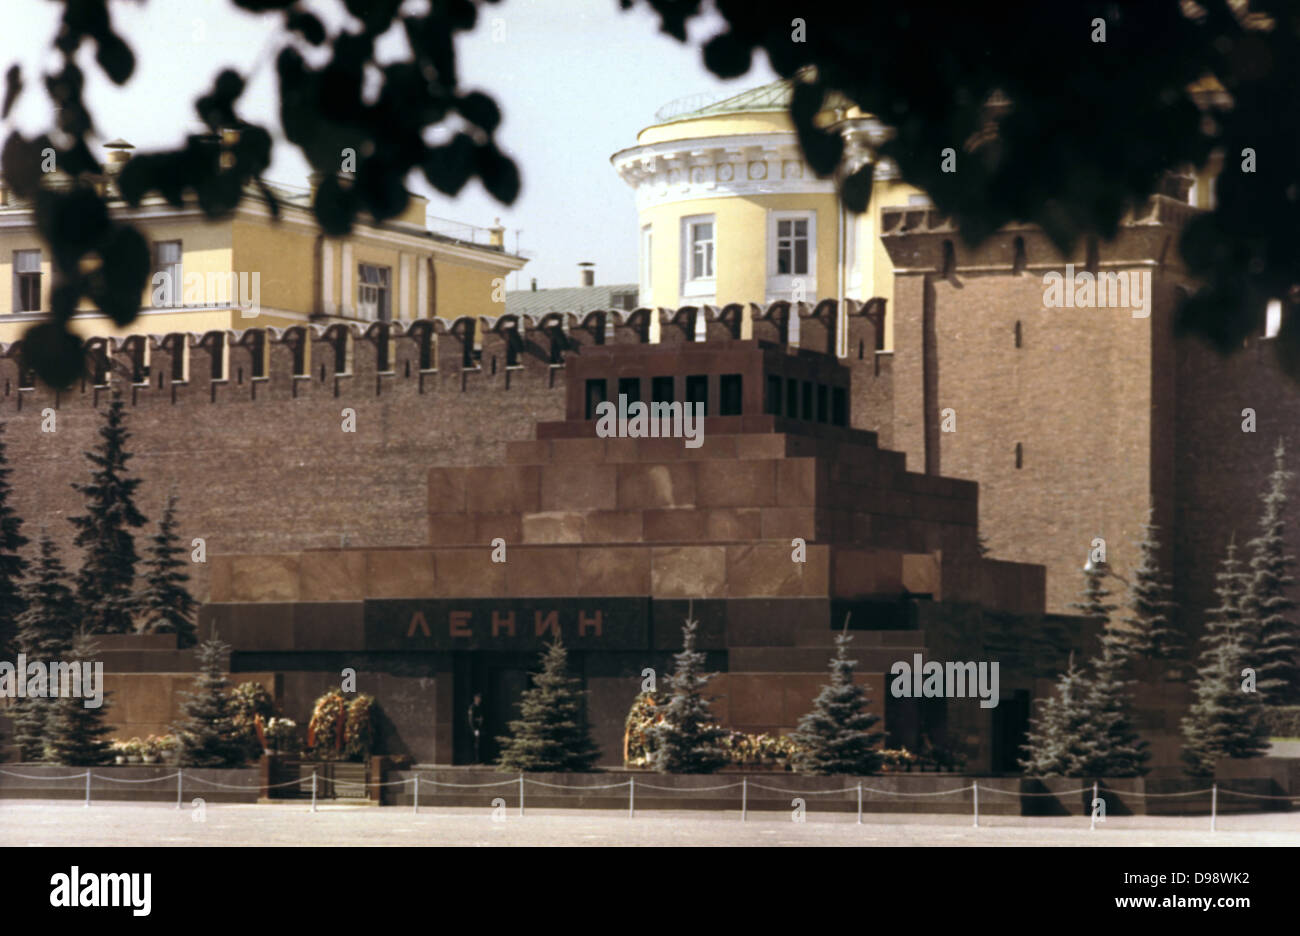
[1267, 600]
[1150, 628]
[104, 531]
[688, 740]
[169, 607]
[1092, 601]
[12, 565]
[74, 732]
[208, 735]
[1108, 742]
[837, 736]
[550, 733]
[45, 632]
[1054, 746]
[1224, 719]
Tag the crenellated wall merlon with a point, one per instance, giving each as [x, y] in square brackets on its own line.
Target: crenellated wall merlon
[347, 358]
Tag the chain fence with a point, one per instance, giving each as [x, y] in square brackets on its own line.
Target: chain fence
[744, 784]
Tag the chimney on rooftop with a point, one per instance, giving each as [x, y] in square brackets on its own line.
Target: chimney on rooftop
[497, 234]
[534, 284]
[119, 153]
[588, 272]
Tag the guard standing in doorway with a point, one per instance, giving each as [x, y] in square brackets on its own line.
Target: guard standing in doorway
[476, 722]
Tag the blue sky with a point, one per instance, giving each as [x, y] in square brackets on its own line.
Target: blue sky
[576, 81]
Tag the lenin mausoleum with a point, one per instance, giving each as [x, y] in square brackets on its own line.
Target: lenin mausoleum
[898, 434]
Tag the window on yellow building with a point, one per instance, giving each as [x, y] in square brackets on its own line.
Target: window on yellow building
[699, 249]
[167, 262]
[375, 293]
[702, 250]
[792, 256]
[792, 247]
[27, 281]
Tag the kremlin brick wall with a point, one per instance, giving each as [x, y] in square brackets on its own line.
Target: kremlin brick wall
[259, 457]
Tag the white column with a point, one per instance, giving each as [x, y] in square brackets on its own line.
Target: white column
[328, 305]
[404, 288]
[422, 288]
[347, 295]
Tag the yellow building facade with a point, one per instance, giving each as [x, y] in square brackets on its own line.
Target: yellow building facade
[251, 271]
[730, 212]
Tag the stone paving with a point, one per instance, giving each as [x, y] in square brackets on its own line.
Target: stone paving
[37, 823]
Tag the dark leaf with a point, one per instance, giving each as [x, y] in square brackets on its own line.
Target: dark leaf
[306, 25]
[79, 159]
[335, 207]
[116, 58]
[87, 18]
[219, 194]
[125, 274]
[65, 294]
[375, 15]
[821, 149]
[855, 190]
[380, 187]
[73, 223]
[480, 110]
[229, 86]
[53, 353]
[253, 151]
[499, 173]
[135, 178]
[450, 166]
[727, 56]
[21, 163]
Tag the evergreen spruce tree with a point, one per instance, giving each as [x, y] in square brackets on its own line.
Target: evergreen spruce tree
[688, 740]
[1054, 747]
[75, 733]
[1150, 628]
[45, 632]
[1267, 600]
[169, 607]
[12, 565]
[836, 737]
[108, 567]
[208, 734]
[1092, 602]
[550, 733]
[1108, 742]
[1224, 719]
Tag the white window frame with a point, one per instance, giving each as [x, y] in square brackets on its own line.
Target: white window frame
[781, 285]
[175, 269]
[701, 286]
[368, 305]
[19, 273]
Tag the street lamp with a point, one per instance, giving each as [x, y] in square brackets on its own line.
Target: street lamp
[1102, 568]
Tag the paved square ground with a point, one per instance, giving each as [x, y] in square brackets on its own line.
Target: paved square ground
[37, 823]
